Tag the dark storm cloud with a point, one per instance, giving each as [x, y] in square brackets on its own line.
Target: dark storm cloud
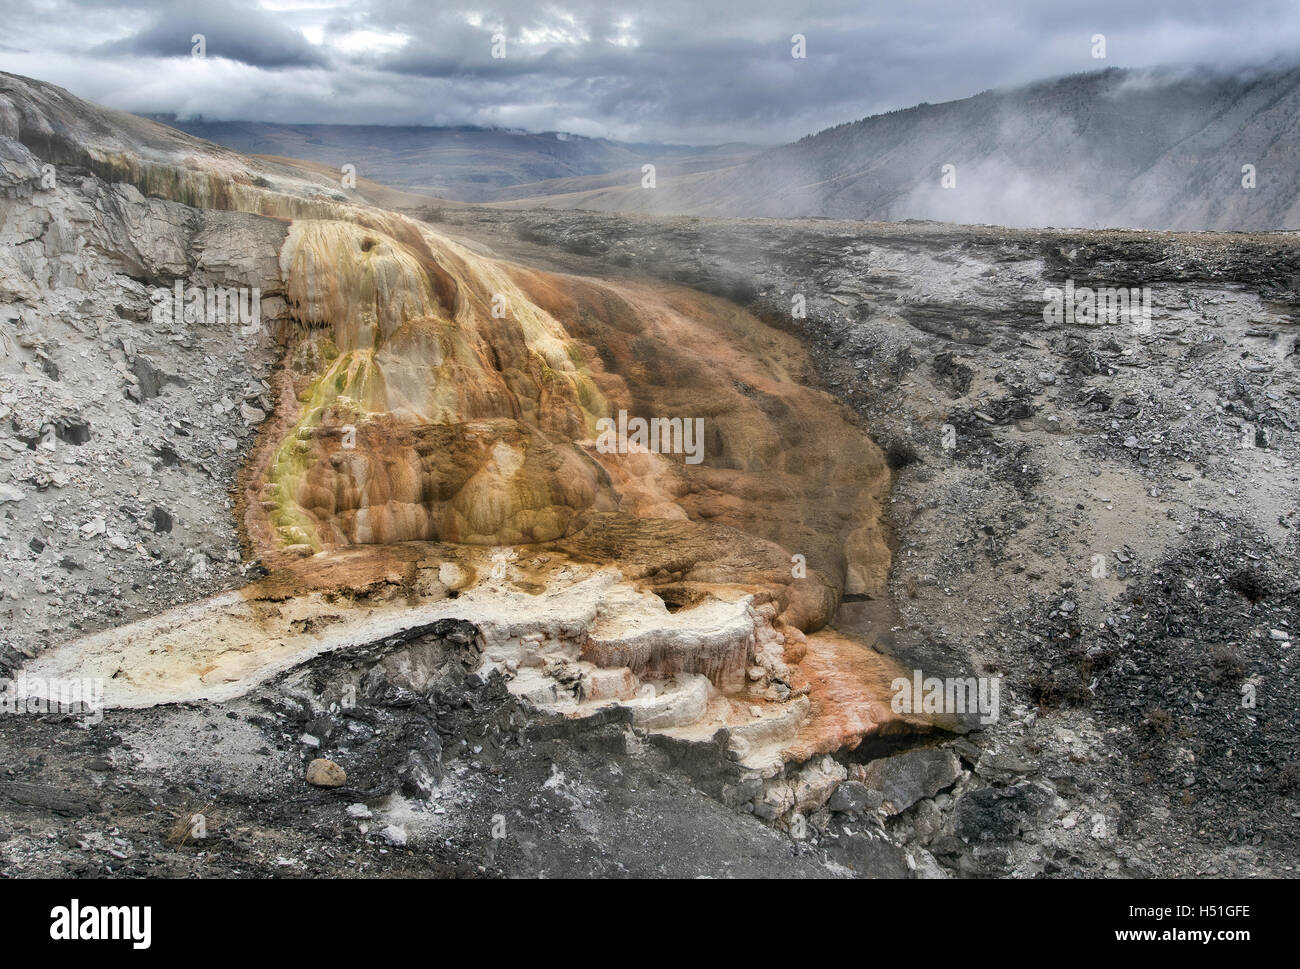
[680, 70]
[241, 33]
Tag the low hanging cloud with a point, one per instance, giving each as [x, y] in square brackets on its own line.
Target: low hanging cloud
[675, 70]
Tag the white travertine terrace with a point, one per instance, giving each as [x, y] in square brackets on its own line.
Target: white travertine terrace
[589, 640]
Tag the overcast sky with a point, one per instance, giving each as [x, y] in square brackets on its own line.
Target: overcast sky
[658, 70]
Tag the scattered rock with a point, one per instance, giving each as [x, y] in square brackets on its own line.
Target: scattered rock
[161, 519]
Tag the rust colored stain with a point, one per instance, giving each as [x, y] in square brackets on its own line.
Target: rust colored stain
[850, 694]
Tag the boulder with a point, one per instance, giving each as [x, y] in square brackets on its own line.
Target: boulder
[906, 778]
[1000, 813]
[325, 773]
[854, 797]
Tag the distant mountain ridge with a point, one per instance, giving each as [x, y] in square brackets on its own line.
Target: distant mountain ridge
[1158, 149]
[465, 163]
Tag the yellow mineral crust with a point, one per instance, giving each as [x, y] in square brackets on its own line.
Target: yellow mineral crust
[441, 395]
[435, 402]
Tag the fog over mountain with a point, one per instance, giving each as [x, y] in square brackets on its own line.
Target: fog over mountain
[1115, 148]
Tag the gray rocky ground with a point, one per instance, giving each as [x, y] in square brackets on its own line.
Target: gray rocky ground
[1099, 534]
[1125, 745]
